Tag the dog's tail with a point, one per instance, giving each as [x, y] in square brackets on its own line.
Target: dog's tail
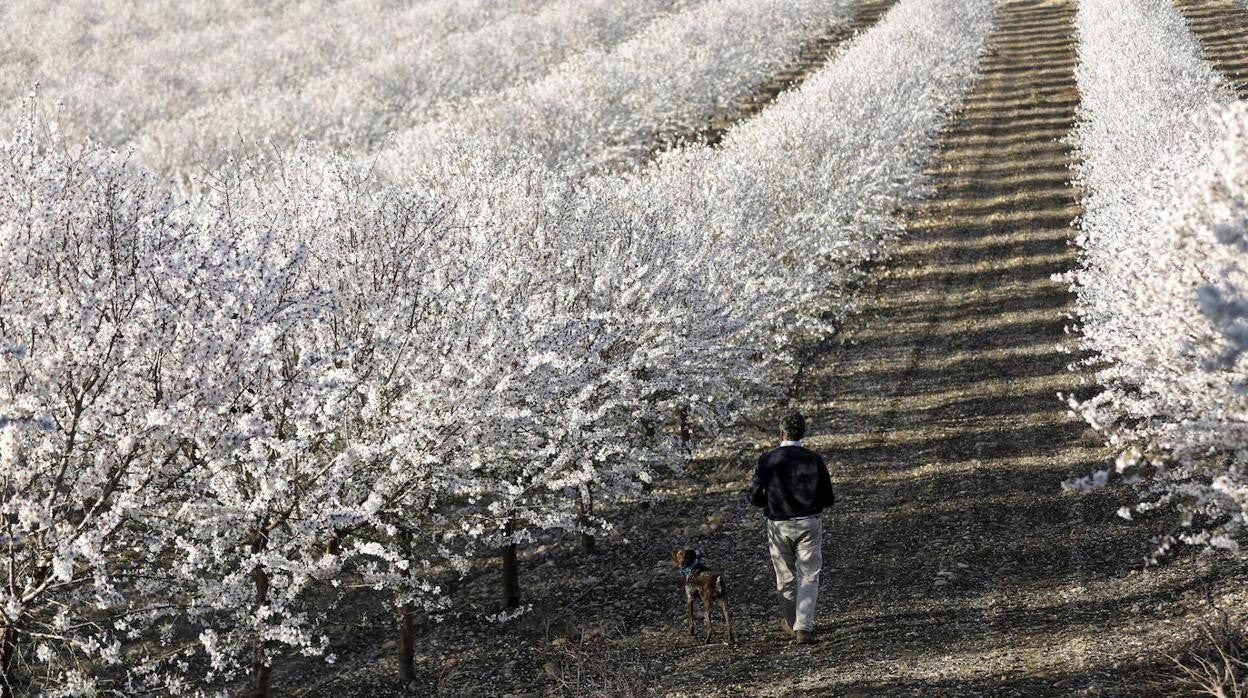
[719, 583]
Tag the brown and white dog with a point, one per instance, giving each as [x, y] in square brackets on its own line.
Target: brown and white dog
[706, 584]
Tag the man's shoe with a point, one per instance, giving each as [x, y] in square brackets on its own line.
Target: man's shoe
[784, 625]
[803, 637]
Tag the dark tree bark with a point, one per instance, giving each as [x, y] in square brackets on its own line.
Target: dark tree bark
[686, 425]
[261, 669]
[588, 545]
[8, 652]
[511, 575]
[407, 642]
[407, 668]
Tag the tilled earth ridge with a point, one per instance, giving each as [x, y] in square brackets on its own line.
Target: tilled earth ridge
[954, 563]
[1222, 28]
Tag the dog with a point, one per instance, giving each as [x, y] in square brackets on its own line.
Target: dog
[706, 584]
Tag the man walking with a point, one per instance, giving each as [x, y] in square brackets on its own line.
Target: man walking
[792, 485]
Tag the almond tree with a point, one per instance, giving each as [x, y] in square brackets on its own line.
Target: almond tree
[319, 314]
[405, 288]
[89, 432]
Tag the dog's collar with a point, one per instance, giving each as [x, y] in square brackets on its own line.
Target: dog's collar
[691, 568]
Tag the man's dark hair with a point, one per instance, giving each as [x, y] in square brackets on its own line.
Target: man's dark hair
[794, 425]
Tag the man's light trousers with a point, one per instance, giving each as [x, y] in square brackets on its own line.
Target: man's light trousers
[797, 554]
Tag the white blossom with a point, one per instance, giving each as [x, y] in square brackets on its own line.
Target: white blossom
[1162, 273]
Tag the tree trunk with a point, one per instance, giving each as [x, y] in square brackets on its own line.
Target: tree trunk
[588, 545]
[686, 426]
[8, 652]
[261, 669]
[407, 668]
[511, 577]
[407, 642]
[262, 679]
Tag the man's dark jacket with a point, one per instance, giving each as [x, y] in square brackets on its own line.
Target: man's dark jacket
[790, 481]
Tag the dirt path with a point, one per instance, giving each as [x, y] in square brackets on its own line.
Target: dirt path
[1222, 27]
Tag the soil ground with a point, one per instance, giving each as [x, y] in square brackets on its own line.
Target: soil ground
[1222, 26]
[954, 562]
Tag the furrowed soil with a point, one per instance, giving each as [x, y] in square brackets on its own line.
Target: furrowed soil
[955, 564]
[1222, 27]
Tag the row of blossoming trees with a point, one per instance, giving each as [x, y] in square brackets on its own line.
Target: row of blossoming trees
[212, 407]
[218, 411]
[1162, 283]
[590, 79]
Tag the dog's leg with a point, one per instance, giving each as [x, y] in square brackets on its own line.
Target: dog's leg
[689, 608]
[706, 612]
[732, 638]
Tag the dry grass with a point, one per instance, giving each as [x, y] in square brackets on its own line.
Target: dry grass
[597, 664]
[1219, 666]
